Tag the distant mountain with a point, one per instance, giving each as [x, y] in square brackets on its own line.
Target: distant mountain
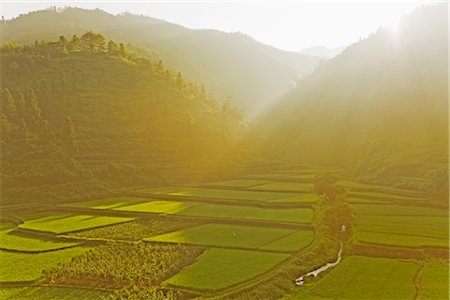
[230, 64]
[322, 51]
[382, 102]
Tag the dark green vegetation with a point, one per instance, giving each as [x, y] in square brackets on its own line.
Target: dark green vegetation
[128, 267]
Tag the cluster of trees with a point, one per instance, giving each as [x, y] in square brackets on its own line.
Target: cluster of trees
[134, 270]
[24, 127]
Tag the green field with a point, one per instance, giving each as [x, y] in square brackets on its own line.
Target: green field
[285, 176]
[235, 236]
[221, 268]
[367, 187]
[51, 292]
[434, 283]
[237, 183]
[417, 230]
[285, 186]
[16, 266]
[384, 196]
[63, 223]
[9, 241]
[292, 215]
[239, 195]
[400, 239]
[397, 210]
[437, 222]
[106, 203]
[358, 277]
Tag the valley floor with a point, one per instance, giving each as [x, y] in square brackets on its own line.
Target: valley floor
[241, 238]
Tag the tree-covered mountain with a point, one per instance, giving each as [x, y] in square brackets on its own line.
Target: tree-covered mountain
[230, 64]
[85, 112]
[379, 107]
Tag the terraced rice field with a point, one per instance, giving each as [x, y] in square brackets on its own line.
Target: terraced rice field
[10, 241]
[366, 187]
[434, 281]
[64, 223]
[288, 215]
[384, 196]
[401, 225]
[237, 183]
[16, 266]
[358, 277]
[400, 239]
[237, 195]
[106, 203]
[397, 210]
[220, 268]
[235, 236]
[43, 292]
[285, 186]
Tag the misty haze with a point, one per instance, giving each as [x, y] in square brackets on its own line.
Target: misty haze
[213, 150]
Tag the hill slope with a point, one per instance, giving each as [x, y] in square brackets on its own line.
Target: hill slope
[382, 102]
[83, 110]
[231, 64]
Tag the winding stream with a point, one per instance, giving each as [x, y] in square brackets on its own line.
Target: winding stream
[300, 281]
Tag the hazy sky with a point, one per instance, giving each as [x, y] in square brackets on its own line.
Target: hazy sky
[290, 25]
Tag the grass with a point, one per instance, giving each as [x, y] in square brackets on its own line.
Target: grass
[238, 183]
[51, 292]
[10, 241]
[219, 268]
[358, 277]
[400, 239]
[218, 194]
[292, 215]
[16, 266]
[64, 223]
[434, 283]
[106, 203]
[235, 236]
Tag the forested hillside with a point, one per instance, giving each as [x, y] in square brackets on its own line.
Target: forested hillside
[230, 64]
[379, 109]
[85, 113]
